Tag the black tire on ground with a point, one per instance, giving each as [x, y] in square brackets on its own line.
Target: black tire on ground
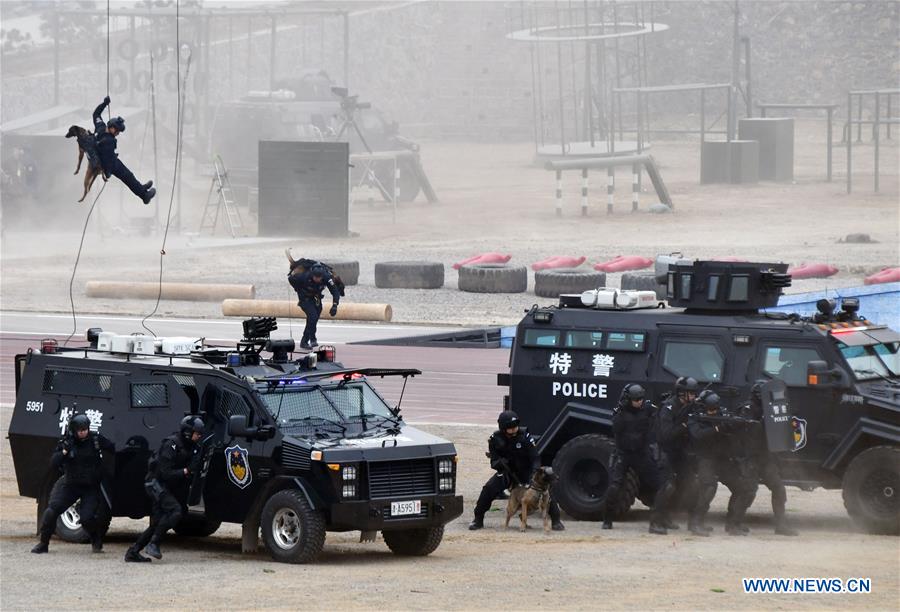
[68, 524]
[197, 526]
[414, 542]
[643, 281]
[292, 531]
[553, 283]
[409, 275]
[347, 269]
[872, 490]
[583, 468]
[493, 278]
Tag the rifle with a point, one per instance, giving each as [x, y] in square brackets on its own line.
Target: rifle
[506, 470]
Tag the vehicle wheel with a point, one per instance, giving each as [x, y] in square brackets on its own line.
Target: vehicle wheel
[409, 275]
[642, 282]
[583, 468]
[414, 542]
[552, 283]
[872, 490]
[197, 526]
[493, 278]
[347, 269]
[293, 532]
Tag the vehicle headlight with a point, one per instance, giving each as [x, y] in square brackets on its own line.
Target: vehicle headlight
[445, 466]
[349, 490]
[348, 472]
[446, 484]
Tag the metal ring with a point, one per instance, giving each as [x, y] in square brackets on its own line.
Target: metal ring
[286, 529]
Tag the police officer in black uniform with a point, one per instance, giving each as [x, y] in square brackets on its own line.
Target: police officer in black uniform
[763, 463]
[636, 448]
[672, 435]
[310, 285]
[716, 442]
[105, 134]
[168, 483]
[80, 456]
[514, 456]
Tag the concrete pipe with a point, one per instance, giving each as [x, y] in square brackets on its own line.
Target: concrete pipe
[196, 292]
[284, 309]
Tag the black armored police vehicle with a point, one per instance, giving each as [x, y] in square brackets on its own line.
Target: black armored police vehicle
[571, 361]
[293, 447]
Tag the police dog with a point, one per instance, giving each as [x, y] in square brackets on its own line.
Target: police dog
[86, 145]
[532, 497]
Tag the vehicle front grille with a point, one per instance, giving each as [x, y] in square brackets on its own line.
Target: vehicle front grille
[294, 457]
[386, 514]
[401, 478]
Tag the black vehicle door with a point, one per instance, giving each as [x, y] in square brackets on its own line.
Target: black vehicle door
[701, 357]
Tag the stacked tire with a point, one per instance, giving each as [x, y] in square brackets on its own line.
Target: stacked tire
[493, 278]
[555, 282]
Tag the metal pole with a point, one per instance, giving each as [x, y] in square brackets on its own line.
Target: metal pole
[618, 72]
[640, 123]
[559, 193]
[588, 89]
[132, 71]
[735, 71]
[574, 78]
[534, 108]
[249, 48]
[888, 115]
[56, 58]
[830, 111]
[859, 117]
[273, 42]
[540, 80]
[346, 49]
[749, 92]
[876, 135]
[610, 188]
[702, 116]
[635, 186]
[849, 141]
[584, 192]
[230, 57]
[559, 69]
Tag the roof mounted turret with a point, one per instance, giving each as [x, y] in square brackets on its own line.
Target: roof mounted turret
[725, 286]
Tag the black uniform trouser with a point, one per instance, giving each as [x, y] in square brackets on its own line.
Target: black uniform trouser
[121, 172]
[769, 473]
[736, 475]
[167, 512]
[312, 308]
[62, 498]
[647, 468]
[492, 489]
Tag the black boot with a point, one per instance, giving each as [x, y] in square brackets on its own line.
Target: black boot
[149, 195]
[147, 185]
[96, 544]
[558, 526]
[658, 528]
[782, 528]
[133, 556]
[40, 548]
[304, 344]
[668, 523]
[607, 524]
[477, 523]
[736, 529]
[152, 549]
[696, 527]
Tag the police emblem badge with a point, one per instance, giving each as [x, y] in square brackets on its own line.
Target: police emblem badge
[798, 426]
[237, 465]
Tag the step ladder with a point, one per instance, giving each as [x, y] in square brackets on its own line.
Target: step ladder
[223, 198]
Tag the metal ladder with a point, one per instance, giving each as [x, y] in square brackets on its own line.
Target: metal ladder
[224, 197]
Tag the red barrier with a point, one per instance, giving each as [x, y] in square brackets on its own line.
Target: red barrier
[624, 264]
[483, 258]
[887, 275]
[561, 261]
[814, 270]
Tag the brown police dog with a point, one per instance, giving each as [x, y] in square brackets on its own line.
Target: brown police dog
[532, 497]
[86, 145]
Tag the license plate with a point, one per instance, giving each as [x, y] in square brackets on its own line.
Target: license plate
[406, 507]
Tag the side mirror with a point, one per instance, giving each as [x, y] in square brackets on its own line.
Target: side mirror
[818, 374]
[238, 427]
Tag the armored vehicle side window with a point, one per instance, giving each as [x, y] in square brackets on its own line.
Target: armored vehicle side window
[230, 404]
[622, 341]
[77, 382]
[739, 289]
[541, 337]
[149, 395]
[584, 339]
[789, 363]
[702, 360]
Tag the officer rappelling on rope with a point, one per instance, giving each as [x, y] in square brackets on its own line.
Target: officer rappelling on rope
[105, 133]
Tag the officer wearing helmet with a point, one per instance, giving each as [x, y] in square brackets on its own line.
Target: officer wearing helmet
[764, 464]
[310, 285]
[80, 456]
[672, 435]
[514, 456]
[635, 437]
[715, 439]
[105, 134]
[169, 477]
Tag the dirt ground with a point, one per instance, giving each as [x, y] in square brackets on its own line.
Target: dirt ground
[580, 569]
[493, 198]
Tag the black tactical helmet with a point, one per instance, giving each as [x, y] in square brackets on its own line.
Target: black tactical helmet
[79, 422]
[635, 392]
[116, 122]
[191, 424]
[711, 400]
[756, 390]
[508, 419]
[686, 384]
[317, 270]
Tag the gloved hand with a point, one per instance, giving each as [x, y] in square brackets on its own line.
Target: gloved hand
[106, 100]
[333, 311]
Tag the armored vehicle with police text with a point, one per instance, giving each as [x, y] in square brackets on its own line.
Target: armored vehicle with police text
[293, 448]
[571, 361]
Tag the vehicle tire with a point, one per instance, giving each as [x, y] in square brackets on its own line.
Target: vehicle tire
[292, 530]
[414, 542]
[554, 282]
[409, 275]
[871, 490]
[644, 281]
[197, 526]
[583, 468]
[347, 269]
[493, 278]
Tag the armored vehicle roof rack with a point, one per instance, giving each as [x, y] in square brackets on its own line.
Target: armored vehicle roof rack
[725, 286]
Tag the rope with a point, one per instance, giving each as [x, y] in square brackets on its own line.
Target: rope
[180, 92]
[108, 107]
